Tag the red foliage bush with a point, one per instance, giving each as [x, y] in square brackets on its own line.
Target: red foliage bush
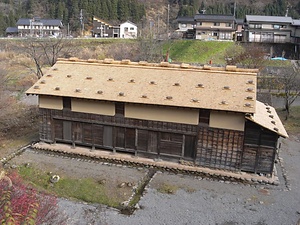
[21, 204]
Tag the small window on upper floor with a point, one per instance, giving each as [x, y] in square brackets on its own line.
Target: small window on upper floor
[199, 23]
[216, 24]
[204, 115]
[228, 24]
[125, 28]
[131, 28]
[66, 103]
[119, 109]
[183, 25]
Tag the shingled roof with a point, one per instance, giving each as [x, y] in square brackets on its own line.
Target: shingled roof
[267, 117]
[229, 88]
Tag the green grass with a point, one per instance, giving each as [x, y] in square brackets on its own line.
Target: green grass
[196, 51]
[292, 124]
[87, 190]
[167, 188]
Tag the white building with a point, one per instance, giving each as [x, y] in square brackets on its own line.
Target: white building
[128, 30]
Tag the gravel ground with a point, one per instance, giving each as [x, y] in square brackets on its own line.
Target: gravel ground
[197, 201]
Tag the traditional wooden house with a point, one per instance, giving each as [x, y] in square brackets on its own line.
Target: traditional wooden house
[205, 115]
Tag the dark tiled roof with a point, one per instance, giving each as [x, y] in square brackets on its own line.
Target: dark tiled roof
[185, 19]
[269, 19]
[296, 22]
[11, 30]
[46, 22]
[213, 17]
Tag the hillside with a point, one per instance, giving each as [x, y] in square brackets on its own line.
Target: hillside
[145, 13]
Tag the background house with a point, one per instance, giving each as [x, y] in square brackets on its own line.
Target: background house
[268, 29]
[38, 27]
[186, 27]
[207, 116]
[214, 27]
[11, 32]
[103, 29]
[128, 30]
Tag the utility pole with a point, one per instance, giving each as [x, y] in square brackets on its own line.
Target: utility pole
[81, 22]
[168, 20]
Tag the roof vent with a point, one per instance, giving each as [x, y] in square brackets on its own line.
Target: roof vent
[36, 87]
[271, 116]
[49, 75]
[247, 105]
[89, 78]
[132, 81]
[152, 82]
[69, 76]
[176, 84]
[169, 97]
[100, 92]
[43, 82]
[77, 90]
[195, 100]
[226, 88]
[55, 69]
[200, 85]
[144, 96]
[268, 107]
[250, 82]
[273, 121]
[249, 98]
[266, 104]
[224, 102]
[269, 111]
[121, 94]
[275, 128]
[57, 88]
[250, 89]
[110, 79]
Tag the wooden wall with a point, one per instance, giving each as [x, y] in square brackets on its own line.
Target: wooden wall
[251, 151]
[219, 148]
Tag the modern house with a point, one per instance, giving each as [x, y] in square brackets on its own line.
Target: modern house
[268, 29]
[103, 29]
[208, 116]
[186, 27]
[214, 27]
[37, 27]
[128, 30]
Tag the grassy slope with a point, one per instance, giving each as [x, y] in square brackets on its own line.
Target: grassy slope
[195, 51]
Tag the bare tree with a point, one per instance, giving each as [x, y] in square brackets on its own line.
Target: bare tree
[247, 55]
[289, 79]
[44, 52]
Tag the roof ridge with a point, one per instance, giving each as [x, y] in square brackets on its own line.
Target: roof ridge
[227, 68]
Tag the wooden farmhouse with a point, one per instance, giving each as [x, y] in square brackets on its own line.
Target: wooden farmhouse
[207, 116]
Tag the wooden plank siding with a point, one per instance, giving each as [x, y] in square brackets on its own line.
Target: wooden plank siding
[259, 149]
[251, 151]
[219, 148]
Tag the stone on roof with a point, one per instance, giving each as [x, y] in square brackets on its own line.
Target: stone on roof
[163, 84]
[266, 116]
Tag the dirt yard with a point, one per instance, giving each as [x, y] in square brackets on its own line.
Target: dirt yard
[181, 199]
